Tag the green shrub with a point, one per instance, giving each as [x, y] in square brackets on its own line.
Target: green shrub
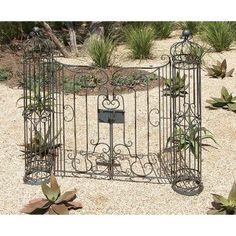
[139, 39]
[193, 26]
[100, 51]
[162, 29]
[219, 35]
[5, 74]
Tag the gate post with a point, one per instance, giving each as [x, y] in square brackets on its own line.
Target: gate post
[38, 101]
[186, 130]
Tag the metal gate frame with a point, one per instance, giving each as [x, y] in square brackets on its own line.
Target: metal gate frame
[178, 86]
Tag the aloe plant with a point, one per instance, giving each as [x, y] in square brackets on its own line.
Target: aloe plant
[55, 203]
[226, 100]
[219, 70]
[38, 103]
[191, 139]
[222, 205]
[176, 87]
[41, 145]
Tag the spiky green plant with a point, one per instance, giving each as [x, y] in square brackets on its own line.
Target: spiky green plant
[55, 203]
[139, 40]
[162, 29]
[219, 35]
[226, 101]
[41, 145]
[176, 86]
[222, 205]
[190, 139]
[219, 70]
[100, 50]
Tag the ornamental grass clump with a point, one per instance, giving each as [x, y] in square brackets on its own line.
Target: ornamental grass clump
[100, 51]
[219, 35]
[139, 40]
[162, 29]
[55, 203]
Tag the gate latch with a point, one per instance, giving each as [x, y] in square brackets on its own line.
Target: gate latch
[111, 116]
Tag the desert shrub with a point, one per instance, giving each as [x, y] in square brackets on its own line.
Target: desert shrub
[139, 39]
[5, 74]
[162, 29]
[100, 51]
[10, 30]
[219, 35]
[193, 26]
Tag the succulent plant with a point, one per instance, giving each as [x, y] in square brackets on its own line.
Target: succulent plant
[226, 100]
[176, 87]
[40, 145]
[219, 70]
[55, 203]
[190, 139]
[222, 205]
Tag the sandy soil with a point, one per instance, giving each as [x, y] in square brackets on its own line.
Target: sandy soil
[115, 197]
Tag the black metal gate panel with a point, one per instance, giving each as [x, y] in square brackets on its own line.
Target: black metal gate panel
[138, 124]
[115, 123]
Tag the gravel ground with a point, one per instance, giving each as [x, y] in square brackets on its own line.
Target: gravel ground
[115, 197]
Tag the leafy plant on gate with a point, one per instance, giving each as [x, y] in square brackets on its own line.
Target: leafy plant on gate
[55, 203]
[42, 145]
[222, 205]
[190, 139]
[226, 101]
[175, 87]
[219, 70]
[38, 102]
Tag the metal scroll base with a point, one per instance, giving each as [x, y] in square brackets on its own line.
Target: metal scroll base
[187, 182]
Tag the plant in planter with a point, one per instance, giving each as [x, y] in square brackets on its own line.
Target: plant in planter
[219, 70]
[55, 203]
[176, 87]
[41, 146]
[226, 101]
[222, 205]
[190, 139]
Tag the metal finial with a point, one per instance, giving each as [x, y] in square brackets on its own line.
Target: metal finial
[186, 34]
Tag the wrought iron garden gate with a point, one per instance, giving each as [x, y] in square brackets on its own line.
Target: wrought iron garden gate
[132, 123]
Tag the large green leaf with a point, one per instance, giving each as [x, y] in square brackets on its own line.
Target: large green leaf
[220, 199]
[49, 193]
[224, 66]
[224, 93]
[232, 106]
[232, 194]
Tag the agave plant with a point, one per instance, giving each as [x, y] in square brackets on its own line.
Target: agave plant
[41, 146]
[191, 139]
[219, 70]
[226, 100]
[37, 103]
[176, 87]
[55, 203]
[222, 205]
